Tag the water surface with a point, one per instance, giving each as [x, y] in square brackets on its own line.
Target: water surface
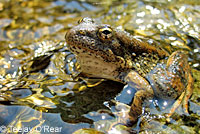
[37, 89]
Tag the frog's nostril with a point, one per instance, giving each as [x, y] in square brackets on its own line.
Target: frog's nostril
[82, 32]
[86, 20]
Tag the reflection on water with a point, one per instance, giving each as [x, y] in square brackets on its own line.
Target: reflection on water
[38, 76]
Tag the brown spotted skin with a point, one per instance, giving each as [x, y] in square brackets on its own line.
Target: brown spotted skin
[105, 52]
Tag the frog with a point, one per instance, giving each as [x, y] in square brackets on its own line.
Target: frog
[114, 54]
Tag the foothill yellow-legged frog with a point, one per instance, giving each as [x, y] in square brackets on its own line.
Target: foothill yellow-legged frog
[109, 53]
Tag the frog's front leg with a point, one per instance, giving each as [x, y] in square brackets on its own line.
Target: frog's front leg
[144, 92]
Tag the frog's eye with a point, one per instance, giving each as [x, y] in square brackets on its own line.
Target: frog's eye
[105, 32]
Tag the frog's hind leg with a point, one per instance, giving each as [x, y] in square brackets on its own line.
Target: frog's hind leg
[188, 93]
[176, 105]
[183, 98]
[177, 63]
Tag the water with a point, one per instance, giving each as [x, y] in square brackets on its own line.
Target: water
[38, 91]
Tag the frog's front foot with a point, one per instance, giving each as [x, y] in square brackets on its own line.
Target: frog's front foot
[144, 92]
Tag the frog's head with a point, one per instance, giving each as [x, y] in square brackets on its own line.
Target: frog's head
[92, 38]
[96, 47]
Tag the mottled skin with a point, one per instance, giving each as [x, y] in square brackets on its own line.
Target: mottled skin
[104, 52]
